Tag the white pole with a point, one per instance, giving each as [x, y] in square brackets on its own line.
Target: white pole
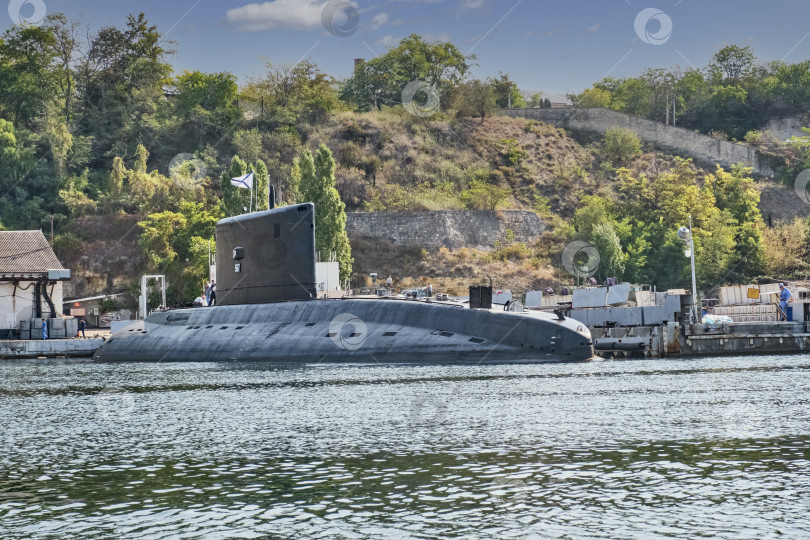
[695, 308]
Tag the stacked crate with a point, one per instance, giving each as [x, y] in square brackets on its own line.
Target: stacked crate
[749, 313]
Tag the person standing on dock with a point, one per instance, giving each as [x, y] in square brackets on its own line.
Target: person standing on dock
[212, 295]
[784, 298]
[44, 329]
[82, 326]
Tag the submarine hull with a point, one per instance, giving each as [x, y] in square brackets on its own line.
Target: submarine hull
[337, 331]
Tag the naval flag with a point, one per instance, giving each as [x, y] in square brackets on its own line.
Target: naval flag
[243, 181]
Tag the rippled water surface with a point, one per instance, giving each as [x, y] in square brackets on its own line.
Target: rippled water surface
[668, 448]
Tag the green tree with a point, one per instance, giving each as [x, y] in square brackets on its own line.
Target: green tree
[633, 96]
[476, 98]
[591, 98]
[120, 85]
[156, 238]
[593, 210]
[506, 92]
[248, 144]
[207, 104]
[294, 190]
[318, 186]
[27, 80]
[736, 193]
[234, 199]
[732, 62]
[380, 81]
[620, 145]
[261, 185]
[731, 110]
[611, 257]
[481, 195]
[294, 91]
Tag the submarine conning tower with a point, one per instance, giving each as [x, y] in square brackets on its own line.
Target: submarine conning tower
[267, 256]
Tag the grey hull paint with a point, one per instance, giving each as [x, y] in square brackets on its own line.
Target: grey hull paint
[328, 331]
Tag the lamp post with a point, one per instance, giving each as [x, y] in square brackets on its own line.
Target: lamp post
[686, 235]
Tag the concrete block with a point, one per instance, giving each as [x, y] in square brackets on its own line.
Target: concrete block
[598, 317]
[672, 306]
[590, 298]
[618, 294]
[534, 299]
[501, 296]
[653, 315]
[57, 333]
[71, 327]
[583, 316]
[625, 316]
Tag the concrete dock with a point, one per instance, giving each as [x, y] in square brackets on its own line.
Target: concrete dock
[49, 348]
[746, 338]
[653, 325]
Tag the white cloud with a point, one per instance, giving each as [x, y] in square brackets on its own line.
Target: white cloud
[277, 15]
[472, 4]
[379, 20]
[387, 41]
[436, 37]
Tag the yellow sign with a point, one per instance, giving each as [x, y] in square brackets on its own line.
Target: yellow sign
[753, 294]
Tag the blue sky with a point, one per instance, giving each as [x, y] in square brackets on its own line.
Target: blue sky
[555, 47]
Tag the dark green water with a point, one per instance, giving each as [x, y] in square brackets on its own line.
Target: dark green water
[714, 448]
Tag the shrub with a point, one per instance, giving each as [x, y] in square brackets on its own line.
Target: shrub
[620, 145]
[513, 152]
[350, 155]
[754, 137]
[541, 206]
[67, 244]
[107, 305]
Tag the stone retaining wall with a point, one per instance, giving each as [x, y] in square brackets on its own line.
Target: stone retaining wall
[683, 142]
[452, 229]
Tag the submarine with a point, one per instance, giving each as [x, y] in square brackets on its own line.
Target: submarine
[267, 310]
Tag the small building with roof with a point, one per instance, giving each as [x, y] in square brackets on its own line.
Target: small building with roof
[31, 278]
